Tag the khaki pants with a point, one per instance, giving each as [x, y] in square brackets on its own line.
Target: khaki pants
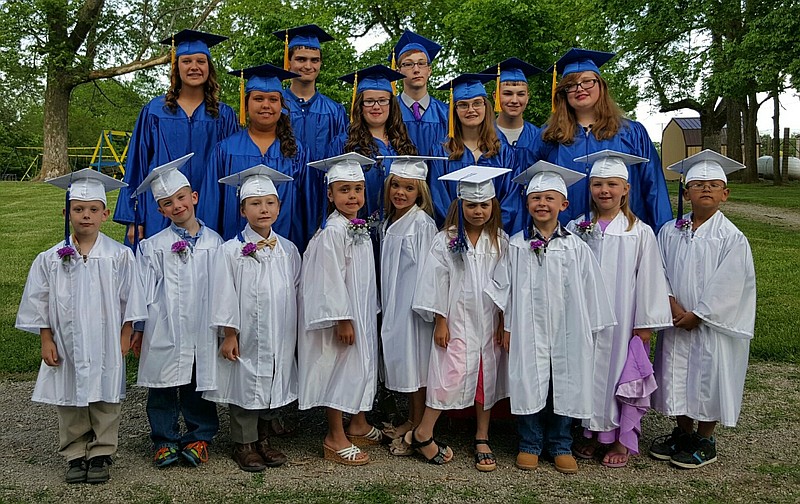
[90, 431]
[245, 423]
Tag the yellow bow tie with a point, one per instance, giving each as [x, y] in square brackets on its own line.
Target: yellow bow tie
[271, 242]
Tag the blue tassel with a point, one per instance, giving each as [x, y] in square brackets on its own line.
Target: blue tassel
[680, 194]
[136, 224]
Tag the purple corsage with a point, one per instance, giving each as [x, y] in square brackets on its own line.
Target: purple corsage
[538, 247]
[683, 224]
[457, 245]
[181, 247]
[66, 253]
[249, 250]
[586, 227]
[358, 229]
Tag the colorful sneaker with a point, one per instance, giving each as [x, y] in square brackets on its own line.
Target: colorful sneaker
[166, 455]
[701, 451]
[196, 452]
[77, 471]
[665, 447]
[98, 469]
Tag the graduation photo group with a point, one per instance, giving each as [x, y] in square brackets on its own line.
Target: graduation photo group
[458, 256]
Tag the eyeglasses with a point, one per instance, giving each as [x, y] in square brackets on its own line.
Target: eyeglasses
[585, 84]
[464, 106]
[699, 186]
[369, 102]
[408, 65]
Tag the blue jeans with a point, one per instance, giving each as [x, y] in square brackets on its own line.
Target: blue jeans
[164, 407]
[545, 427]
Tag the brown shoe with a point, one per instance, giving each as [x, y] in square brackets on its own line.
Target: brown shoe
[271, 456]
[566, 464]
[527, 461]
[247, 458]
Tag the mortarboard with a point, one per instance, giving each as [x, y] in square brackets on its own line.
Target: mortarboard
[309, 35]
[609, 163]
[410, 41]
[575, 61]
[342, 168]
[258, 180]
[411, 167]
[510, 70]
[374, 78]
[265, 78]
[543, 176]
[165, 180]
[192, 42]
[464, 87]
[705, 165]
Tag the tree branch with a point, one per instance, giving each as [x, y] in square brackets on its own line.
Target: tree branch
[212, 4]
[133, 66]
[85, 20]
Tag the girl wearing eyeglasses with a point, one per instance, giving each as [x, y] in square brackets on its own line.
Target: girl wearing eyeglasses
[586, 120]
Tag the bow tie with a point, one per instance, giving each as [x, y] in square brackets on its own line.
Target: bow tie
[271, 242]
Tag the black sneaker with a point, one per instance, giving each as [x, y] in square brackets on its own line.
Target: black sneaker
[77, 471]
[98, 469]
[665, 447]
[701, 451]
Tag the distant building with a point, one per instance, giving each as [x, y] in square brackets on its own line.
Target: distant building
[681, 138]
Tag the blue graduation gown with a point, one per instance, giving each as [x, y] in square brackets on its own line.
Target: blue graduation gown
[522, 147]
[431, 130]
[443, 193]
[218, 207]
[649, 199]
[161, 136]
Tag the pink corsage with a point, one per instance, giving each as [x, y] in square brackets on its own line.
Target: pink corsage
[249, 250]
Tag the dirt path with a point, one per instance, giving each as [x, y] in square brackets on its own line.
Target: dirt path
[759, 461]
[774, 216]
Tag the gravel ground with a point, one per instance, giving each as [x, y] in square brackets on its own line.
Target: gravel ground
[758, 461]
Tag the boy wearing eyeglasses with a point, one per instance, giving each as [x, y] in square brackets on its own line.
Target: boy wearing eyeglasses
[701, 362]
[425, 116]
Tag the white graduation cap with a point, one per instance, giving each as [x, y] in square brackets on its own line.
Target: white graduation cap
[610, 163]
[706, 165]
[411, 167]
[475, 182]
[165, 180]
[343, 168]
[258, 180]
[543, 176]
[87, 185]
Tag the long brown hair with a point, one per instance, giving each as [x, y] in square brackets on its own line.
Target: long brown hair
[210, 90]
[283, 130]
[424, 200]
[562, 124]
[624, 207]
[488, 142]
[359, 138]
[492, 226]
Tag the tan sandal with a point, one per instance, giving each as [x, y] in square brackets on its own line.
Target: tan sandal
[393, 432]
[399, 448]
[346, 456]
[373, 437]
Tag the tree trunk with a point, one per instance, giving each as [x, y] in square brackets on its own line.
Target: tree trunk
[734, 140]
[55, 161]
[776, 139]
[786, 154]
[750, 113]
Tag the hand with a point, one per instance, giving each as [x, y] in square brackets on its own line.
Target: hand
[687, 321]
[136, 343]
[49, 353]
[345, 332]
[498, 333]
[506, 340]
[676, 308]
[125, 338]
[230, 346]
[644, 335]
[441, 334]
[130, 232]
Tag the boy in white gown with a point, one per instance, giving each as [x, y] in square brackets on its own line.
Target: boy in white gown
[554, 304]
[177, 347]
[701, 362]
[81, 297]
[254, 302]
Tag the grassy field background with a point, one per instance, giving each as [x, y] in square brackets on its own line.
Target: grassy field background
[32, 223]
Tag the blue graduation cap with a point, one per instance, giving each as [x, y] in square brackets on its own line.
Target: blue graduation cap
[581, 60]
[265, 78]
[410, 41]
[510, 70]
[464, 87]
[374, 78]
[192, 42]
[309, 35]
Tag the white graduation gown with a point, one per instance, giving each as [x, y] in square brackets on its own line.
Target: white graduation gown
[405, 336]
[338, 283]
[452, 285]
[634, 278]
[177, 332]
[701, 373]
[553, 311]
[85, 305]
[258, 298]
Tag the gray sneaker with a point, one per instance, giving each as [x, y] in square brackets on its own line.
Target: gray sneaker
[77, 471]
[98, 469]
[701, 451]
[665, 447]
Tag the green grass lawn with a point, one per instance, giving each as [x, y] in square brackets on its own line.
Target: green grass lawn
[32, 223]
[762, 193]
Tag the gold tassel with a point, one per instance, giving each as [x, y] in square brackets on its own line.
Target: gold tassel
[353, 101]
[286, 51]
[450, 119]
[242, 118]
[497, 107]
[394, 67]
[553, 90]
[172, 57]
